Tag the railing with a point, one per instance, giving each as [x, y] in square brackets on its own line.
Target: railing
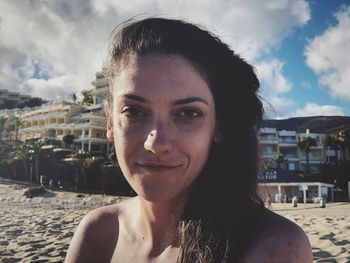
[284, 141]
[291, 156]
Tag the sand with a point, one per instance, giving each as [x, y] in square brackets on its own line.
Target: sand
[328, 229]
[40, 229]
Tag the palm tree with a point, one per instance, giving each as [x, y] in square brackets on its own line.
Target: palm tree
[87, 97]
[2, 126]
[68, 139]
[9, 127]
[35, 147]
[22, 152]
[279, 159]
[17, 122]
[305, 144]
[343, 139]
[74, 97]
[81, 159]
[339, 141]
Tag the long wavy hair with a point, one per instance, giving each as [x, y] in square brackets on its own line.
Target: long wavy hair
[221, 219]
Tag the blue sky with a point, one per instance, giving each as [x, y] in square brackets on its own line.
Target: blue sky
[300, 49]
[306, 85]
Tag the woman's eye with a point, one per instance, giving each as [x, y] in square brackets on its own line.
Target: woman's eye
[132, 113]
[191, 113]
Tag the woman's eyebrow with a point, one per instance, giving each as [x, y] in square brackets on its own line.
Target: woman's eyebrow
[135, 97]
[177, 102]
[190, 100]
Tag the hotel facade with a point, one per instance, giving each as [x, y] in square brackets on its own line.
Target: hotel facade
[281, 182]
[87, 123]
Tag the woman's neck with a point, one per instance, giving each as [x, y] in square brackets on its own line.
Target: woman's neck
[158, 223]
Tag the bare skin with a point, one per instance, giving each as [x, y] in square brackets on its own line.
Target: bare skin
[113, 234]
[116, 234]
[162, 123]
[281, 241]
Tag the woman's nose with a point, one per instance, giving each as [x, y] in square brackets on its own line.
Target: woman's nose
[159, 141]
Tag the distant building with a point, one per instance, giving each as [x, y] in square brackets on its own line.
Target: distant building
[100, 92]
[8, 123]
[274, 142]
[282, 181]
[54, 120]
[13, 98]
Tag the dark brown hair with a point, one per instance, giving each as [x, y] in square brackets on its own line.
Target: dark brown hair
[221, 218]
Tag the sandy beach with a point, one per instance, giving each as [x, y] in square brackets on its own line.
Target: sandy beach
[40, 229]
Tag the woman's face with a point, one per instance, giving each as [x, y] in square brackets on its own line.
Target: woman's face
[162, 122]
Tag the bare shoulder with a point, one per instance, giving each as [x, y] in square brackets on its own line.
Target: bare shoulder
[280, 241]
[96, 235]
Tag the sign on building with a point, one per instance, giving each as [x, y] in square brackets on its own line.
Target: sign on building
[303, 187]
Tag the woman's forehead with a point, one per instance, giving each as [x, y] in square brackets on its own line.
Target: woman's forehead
[160, 75]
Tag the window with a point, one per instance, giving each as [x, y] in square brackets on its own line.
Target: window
[291, 167]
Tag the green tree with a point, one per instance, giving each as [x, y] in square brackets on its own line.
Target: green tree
[74, 97]
[17, 123]
[339, 141]
[305, 144]
[343, 139]
[22, 152]
[68, 139]
[34, 102]
[35, 148]
[87, 97]
[2, 126]
[81, 158]
[279, 159]
[9, 127]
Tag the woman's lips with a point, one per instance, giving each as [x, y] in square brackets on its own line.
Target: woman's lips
[158, 166]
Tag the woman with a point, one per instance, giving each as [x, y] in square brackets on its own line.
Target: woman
[183, 114]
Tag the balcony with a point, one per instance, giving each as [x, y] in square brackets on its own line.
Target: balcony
[100, 91]
[84, 125]
[291, 157]
[287, 142]
[86, 138]
[317, 147]
[268, 140]
[312, 159]
[102, 82]
[88, 115]
[268, 131]
[287, 133]
[269, 155]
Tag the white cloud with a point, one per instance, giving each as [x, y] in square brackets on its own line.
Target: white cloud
[328, 56]
[54, 88]
[274, 86]
[66, 41]
[270, 73]
[314, 109]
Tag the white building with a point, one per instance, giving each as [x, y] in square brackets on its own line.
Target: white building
[281, 185]
[274, 142]
[56, 119]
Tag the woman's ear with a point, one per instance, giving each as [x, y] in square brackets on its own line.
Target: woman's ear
[109, 123]
[217, 136]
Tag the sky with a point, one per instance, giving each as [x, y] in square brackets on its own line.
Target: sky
[299, 49]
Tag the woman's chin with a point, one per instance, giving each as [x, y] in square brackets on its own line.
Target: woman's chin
[160, 195]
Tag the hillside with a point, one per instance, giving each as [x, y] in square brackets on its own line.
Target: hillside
[316, 124]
